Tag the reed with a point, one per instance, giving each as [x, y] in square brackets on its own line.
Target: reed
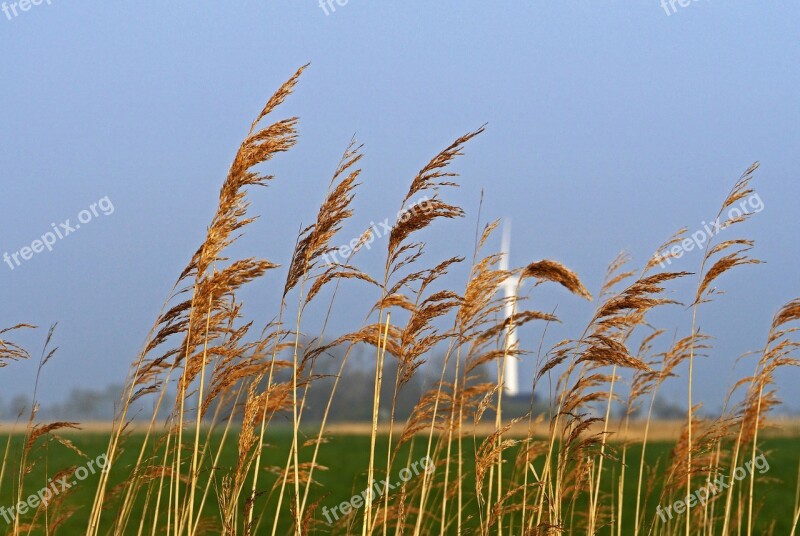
[566, 474]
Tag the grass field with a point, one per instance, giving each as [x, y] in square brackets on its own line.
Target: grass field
[345, 456]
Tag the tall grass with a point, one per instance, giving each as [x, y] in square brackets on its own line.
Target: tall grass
[564, 474]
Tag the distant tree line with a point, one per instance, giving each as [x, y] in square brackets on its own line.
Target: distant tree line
[351, 403]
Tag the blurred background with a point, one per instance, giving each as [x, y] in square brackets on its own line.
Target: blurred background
[610, 125]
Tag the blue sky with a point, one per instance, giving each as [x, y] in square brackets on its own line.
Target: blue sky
[610, 125]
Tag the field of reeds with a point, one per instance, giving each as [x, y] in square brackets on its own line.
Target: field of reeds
[226, 462]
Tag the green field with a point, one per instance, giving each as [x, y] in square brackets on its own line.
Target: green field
[345, 457]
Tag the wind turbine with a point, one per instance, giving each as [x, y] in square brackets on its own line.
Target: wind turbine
[511, 369]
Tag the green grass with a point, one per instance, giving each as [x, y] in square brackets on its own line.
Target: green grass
[346, 458]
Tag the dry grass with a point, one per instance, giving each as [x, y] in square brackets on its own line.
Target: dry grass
[567, 470]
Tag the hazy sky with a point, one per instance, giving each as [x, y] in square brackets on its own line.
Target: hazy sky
[610, 125]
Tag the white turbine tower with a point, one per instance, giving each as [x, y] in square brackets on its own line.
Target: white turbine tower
[511, 370]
